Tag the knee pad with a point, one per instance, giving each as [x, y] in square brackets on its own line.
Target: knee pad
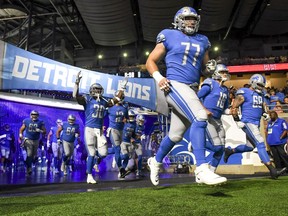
[201, 115]
[175, 138]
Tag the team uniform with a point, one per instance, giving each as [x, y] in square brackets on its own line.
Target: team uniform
[126, 145]
[215, 99]
[184, 56]
[252, 109]
[6, 142]
[70, 131]
[33, 128]
[117, 114]
[95, 141]
[57, 148]
[139, 136]
[94, 106]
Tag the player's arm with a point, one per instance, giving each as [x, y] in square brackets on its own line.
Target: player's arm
[79, 98]
[21, 130]
[238, 101]
[58, 132]
[151, 65]
[118, 97]
[43, 129]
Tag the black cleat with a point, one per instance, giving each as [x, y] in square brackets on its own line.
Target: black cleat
[274, 173]
[227, 153]
[127, 172]
[122, 172]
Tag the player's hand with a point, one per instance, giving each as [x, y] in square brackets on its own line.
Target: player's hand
[234, 111]
[211, 66]
[123, 83]
[38, 130]
[164, 85]
[143, 137]
[59, 142]
[48, 144]
[78, 77]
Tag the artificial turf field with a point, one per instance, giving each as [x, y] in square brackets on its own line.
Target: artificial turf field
[256, 196]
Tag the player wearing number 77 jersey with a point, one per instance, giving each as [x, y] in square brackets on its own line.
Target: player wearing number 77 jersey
[94, 107]
[185, 52]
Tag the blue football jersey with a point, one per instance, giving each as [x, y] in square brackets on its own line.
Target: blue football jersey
[53, 137]
[6, 141]
[94, 112]
[139, 131]
[31, 126]
[128, 131]
[216, 99]
[184, 55]
[69, 130]
[117, 114]
[252, 108]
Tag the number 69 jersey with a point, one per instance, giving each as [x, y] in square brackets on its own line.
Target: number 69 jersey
[252, 107]
[184, 56]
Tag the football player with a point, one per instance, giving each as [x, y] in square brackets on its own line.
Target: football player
[57, 148]
[94, 107]
[214, 95]
[6, 145]
[70, 133]
[139, 136]
[128, 138]
[33, 128]
[185, 53]
[117, 114]
[251, 103]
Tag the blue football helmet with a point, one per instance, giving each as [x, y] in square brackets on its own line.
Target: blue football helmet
[181, 23]
[34, 115]
[131, 115]
[140, 119]
[71, 119]
[96, 90]
[221, 73]
[59, 121]
[257, 82]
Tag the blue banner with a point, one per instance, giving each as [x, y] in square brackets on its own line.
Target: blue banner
[21, 69]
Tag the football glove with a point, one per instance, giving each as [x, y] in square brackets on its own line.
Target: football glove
[266, 116]
[211, 66]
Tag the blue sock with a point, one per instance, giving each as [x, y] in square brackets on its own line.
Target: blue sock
[165, 147]
[118, 158]
[198, 139]
[90, 162]
[219, 150]
[243, 148]
[139, 162]
[263, 153]
[125, 158]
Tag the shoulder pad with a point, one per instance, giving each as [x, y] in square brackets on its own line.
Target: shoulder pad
[208, 81]
[160, 38]
[240, 91]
